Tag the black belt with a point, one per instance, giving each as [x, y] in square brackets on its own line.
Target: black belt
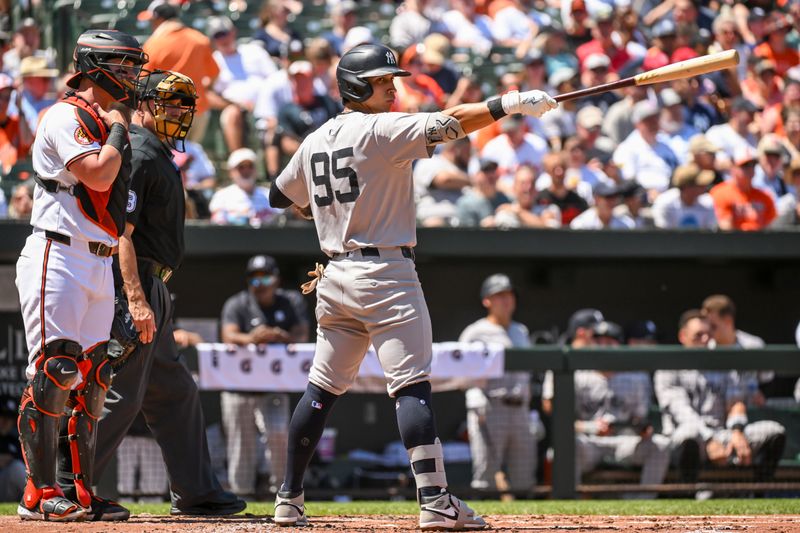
[97, 248]
[162, 272]
[371, 251]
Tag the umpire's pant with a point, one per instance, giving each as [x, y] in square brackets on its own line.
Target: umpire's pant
[156, 381]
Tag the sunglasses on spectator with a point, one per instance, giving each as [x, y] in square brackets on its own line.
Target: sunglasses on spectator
[262, 281]
[221, 34]
[245, 165]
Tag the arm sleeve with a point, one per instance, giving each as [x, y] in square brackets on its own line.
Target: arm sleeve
[291, 182]
[401, 136]
[69, 139]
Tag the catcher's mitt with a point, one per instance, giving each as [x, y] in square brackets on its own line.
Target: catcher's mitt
[124, 337]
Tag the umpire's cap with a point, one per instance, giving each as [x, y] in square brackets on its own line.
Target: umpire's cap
[365, 61]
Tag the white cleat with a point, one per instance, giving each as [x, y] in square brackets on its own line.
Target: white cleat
[290, 511]
[446, 512]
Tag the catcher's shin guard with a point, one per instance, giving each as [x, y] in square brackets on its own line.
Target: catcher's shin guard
[79, 430]
[41, 406]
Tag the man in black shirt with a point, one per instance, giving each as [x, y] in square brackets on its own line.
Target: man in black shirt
[567, 200]
[261, 314]
[155, 378]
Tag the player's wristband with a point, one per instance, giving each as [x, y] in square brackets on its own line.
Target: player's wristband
[737, 427]
[118, 137]
[736, 421]
[495, 106]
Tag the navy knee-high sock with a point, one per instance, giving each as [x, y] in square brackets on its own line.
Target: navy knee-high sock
[416, 421]
[305, 430]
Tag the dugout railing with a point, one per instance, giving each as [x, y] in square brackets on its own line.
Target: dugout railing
[563, 362]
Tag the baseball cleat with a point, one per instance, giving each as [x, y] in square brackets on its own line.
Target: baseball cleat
[54, 509]
[290, 511]
[103, 510]
[446, 512]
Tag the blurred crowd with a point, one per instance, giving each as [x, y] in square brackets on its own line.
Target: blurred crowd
[720, 151]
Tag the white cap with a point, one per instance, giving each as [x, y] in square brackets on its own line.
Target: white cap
[670, 98]
[300, 67]
[642, 110]
[596, 61]
[239, 156]
[355, 36]
[589, 117]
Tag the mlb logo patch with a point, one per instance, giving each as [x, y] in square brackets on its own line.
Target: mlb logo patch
[316, 405]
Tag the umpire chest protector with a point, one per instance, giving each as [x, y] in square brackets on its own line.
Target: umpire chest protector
[104, 208]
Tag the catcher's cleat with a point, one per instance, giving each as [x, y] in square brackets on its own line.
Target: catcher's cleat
[446, 512]
[51, 505]
[106, 511]
[290, 511]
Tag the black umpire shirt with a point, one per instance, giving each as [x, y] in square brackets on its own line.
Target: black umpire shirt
[243, 310]
[156, 205]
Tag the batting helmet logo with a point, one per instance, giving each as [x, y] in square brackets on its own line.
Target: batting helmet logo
[361, 63]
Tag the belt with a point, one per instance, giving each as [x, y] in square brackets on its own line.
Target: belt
[371, 251]
[97, 248]
[162, 272]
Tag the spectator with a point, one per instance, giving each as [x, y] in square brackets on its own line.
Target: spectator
[243, 202]
[343, 16]
[699, 114]
[16, 137]
[511, 25]
[440, 182]
[498, 412]
[436, 50]
[355, 36]
[199, 175]
[560, 123]
[275, 34]
[24, 43]
[569, 203]
[410, 25]
[611, 422]
[642, 156]
[726, 37]
[193, 58]
[704, 414]
[595, 71]
[576, 18]
[525, 211]
[634, 204]
[739, 205]
[773, 120]
[686, 205]
[601, 216]
[261, 314]
[478, 205]
[243, 68]
[769, 170]
[675, 131]
[306, 112]
[734, 135]
[512, 148]
[588, 122]
[12, 469]
[775, 47]
[603, 40]
[37, 86]
[617, 123]
[763, 86]
[703, 153]
[788, 206]
[321, 56]
[418, 91]
[664, 40]
[581, 176]
[552, 41]
[468, 28]
[21, 204]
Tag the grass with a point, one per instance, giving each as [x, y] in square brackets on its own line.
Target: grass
[535, 507]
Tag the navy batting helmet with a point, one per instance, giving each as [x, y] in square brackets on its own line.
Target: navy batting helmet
[365, 61]
[97, 57]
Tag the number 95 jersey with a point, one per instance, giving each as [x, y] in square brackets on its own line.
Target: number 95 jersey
[355, 172]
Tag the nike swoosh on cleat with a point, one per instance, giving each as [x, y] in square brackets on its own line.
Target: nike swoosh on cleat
[453, 516]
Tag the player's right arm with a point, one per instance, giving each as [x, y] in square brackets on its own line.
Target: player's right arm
[290, 185]
[98, 170]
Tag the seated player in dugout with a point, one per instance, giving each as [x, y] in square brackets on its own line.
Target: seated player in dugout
[353, 176]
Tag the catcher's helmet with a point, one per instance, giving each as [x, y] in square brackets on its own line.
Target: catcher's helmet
[365, 61]
[171, 97]
[94, 57]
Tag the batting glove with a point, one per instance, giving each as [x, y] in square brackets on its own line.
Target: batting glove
[533, 103]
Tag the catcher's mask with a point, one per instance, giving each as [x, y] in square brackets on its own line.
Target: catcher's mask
[170, 97]
[112, 60]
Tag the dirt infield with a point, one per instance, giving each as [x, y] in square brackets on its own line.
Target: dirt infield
[594, 524]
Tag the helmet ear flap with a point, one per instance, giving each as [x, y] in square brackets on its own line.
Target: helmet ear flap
[354, 88]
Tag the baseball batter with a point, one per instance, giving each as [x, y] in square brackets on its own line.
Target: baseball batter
[353, 175]
[81, 157]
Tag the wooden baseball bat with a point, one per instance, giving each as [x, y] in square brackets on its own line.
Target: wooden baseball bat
[675, 71]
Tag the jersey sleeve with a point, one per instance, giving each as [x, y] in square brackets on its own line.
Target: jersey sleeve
[401, 136]
[291, 181]
[70, 141]
[137, 194]
[230, 313]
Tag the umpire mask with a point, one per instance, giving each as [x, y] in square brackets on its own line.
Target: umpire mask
[171, 98]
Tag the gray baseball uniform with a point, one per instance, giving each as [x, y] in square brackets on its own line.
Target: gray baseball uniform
[497, 415]
[355, 172]
[622, 399]
[695, 405]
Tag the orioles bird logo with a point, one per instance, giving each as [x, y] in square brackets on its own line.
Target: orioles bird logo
[81, 137]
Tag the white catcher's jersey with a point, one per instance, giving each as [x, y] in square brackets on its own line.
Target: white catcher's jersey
[60, 141]
[355, 172]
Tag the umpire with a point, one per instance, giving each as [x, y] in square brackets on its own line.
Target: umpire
[155, 379]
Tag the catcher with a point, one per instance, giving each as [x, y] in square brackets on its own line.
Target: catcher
[154, 378]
